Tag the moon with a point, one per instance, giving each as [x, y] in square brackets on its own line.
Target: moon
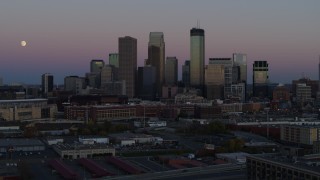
[23, 43]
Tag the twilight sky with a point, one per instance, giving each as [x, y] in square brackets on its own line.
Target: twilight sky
[63, 36]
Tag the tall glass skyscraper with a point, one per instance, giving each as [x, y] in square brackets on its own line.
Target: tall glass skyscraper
[197, 53]
[156, 54]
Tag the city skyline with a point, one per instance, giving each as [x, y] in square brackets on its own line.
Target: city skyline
[62, 40]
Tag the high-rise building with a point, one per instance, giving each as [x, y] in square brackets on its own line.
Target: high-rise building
[1, 81]
[147, 82]
[106, 74]
[127, 49]
[240, 60]
[156, 55]
[93, 79]
[260, 79]
[47, 84]
[303, 94]
[197, 57]
[171, 75]
[114, 59]
[96, 65]
[214, 81]
[186, 73]
[74, 84]
[227, 63]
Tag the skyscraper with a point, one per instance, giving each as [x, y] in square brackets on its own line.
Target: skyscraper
[197, 53]
[186, 73]
[127, 48]
[240, 60]
[146, 82]
[156, 54]
[47, 84]
[96, 65]
[214, 81]
[240, 75]
[106, 74]
[114, 59]
[227, 63]
[171, 75]
[260, 78]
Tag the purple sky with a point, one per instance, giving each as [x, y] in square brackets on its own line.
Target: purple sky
[63, 36]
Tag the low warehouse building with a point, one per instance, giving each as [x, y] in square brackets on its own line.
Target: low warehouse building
[24, 144]
[75, 151]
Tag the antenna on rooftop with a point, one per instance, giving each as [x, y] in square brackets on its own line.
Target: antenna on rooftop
[198, 23]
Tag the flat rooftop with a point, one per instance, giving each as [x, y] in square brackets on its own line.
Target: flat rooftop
[20, 142]
[77, 146]
[295, 163]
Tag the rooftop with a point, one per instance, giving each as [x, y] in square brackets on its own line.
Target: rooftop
[300, 163]
[20, 142]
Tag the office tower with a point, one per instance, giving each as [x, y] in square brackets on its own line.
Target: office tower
[106, 74]
[147, 82]
[214, 81]
[227, 63]
[127, 49]
[303, 94]
[47, 84]
[96, 65]
[240, 61]
[171, 75]
[186, 73]
[1, 81]
[93, 79]
[260, 79]
[197, 57]
[156, 54]
[74, 84]
[114, 59]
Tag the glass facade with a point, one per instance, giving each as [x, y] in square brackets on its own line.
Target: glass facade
[156, 54]
[197, 53]
[114, 59]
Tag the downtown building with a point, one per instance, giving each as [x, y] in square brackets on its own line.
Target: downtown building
[221, 70]
[186, 73]
[114, 59]
[239, 86]
[128, 63]
[156, 58]
[170, 88]
[147, 82]
[214, 81]
[281, 167]
[75, 84]
[110, 85]
[197, 57]
[47, 84]
[171, 75]
[260, 79]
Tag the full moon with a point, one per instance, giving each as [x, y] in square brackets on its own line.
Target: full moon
[23, 43]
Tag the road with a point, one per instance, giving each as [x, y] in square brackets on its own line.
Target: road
[222, 172]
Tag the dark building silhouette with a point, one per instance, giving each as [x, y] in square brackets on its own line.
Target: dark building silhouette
[128, 63]
[47, 84]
